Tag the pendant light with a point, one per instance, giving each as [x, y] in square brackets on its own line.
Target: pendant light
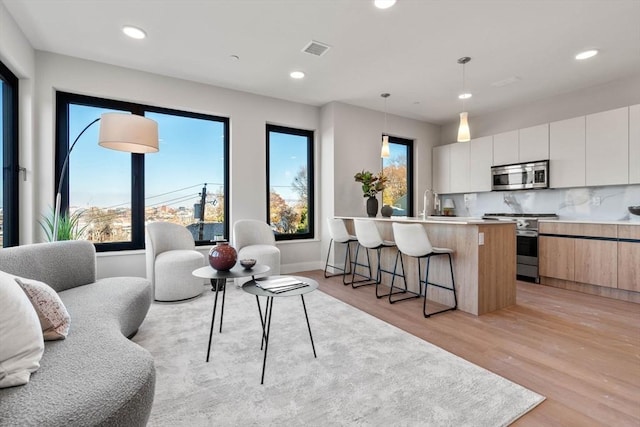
[384, 152]
[464, 134]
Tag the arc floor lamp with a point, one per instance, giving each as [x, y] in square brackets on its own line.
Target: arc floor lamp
[122, 132]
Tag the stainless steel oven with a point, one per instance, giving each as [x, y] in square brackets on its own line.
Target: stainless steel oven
[526, 242]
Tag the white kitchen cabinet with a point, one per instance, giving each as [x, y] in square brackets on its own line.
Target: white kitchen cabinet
[607, 147]
[505, 148]
[534, 143]
[459, 167]
[441, 169]
[634, 144]
[567, 153]
[480, 161]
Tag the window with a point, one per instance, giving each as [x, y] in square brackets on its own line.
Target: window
[9, 157]
[398, 167]
[114, 194]
[290, 182]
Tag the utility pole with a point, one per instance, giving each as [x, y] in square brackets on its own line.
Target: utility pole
[203, 201]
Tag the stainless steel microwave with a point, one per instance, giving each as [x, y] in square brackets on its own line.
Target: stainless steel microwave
[520, 176]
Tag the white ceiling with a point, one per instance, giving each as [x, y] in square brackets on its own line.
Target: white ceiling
[410, 50]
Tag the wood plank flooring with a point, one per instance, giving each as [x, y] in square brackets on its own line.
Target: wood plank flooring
[582, 352]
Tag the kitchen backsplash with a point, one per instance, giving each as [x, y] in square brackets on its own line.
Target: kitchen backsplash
[587, 203]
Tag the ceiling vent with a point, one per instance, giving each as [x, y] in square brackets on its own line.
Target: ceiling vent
[316, 48]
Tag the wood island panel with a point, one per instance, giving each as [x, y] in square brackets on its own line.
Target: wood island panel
[485, 274]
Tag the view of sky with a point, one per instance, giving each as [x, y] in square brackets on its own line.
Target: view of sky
[191, 153]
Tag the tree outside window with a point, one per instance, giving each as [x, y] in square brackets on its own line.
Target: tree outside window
[398, 168]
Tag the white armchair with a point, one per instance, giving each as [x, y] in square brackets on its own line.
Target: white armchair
[255, 239]
[171, 257]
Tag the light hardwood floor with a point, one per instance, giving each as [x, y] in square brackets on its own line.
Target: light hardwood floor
[582, 352]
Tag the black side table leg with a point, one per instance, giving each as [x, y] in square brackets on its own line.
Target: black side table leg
[266, 337]
[308, 326]
[263, 319]
[213, 318]
[222, 282]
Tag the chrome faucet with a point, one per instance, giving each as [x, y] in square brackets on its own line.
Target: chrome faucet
[431, 203]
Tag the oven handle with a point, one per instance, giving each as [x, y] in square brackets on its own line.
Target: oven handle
[527, 233]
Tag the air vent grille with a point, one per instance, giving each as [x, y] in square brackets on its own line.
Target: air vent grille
[316, 48]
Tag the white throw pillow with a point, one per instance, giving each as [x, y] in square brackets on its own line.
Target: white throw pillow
[53, 315]
[21, 341]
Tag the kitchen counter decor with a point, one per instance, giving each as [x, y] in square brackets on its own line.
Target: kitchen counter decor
[371, 185]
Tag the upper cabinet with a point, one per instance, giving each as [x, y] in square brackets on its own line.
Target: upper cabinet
[634, 144]
[534, 143]
[505, 148]
[480, 161]
[459, 167]
[607, 147]
[567, 153]
[441, 169]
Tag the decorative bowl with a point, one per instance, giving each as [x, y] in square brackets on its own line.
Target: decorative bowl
[247, 263]
[634, 210]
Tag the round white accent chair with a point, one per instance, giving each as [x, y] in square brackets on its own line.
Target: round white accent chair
[171, 257]
[254, 239]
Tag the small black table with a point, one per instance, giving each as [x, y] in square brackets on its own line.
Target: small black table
[252, 288]
[218, 280]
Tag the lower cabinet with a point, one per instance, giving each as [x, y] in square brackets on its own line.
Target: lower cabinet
[597, 261]
[556, 257]
[594, 254]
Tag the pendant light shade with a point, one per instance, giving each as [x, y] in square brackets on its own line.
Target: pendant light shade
[463, 131]
[464, 134]
[384, 151]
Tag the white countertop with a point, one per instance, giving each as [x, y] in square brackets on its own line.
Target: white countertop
[457, 220]
[591, 221]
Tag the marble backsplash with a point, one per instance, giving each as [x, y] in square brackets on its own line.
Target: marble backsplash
[586, 203]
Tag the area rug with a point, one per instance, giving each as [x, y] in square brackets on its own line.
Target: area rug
[367, 372]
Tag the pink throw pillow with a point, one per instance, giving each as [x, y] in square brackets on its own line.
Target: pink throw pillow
[52, 313]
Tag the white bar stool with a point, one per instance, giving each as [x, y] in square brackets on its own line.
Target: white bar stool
[339, 234]
[412, 240]
[369, 237]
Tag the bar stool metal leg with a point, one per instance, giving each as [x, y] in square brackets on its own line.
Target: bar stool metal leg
[405, 290]
[427, 283]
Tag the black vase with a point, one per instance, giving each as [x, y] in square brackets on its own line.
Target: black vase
[372, 206]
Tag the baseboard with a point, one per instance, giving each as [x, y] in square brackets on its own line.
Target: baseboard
[301, 266]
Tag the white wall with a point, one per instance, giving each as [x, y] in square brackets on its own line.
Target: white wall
[356, 146]
[615, 94]
[18, 55]
[248, 115]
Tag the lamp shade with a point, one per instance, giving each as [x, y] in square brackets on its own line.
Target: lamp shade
[463, 131]
[384, 152]
[448, 204]
[128, 132]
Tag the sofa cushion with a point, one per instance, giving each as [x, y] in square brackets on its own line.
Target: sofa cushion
[53, 315]
[21, 340]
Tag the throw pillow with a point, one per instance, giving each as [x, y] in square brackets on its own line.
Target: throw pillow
[21, 343]
[52, 313]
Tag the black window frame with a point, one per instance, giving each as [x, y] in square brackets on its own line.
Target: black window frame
[310, 135]
[64, 99]
[410, 176]
[10, 158]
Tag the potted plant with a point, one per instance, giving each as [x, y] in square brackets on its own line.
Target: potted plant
[69, 227]
[371, 185]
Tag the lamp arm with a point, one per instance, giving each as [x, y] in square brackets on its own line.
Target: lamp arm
[56, 214]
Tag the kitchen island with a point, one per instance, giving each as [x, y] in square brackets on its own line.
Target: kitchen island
[484, 261]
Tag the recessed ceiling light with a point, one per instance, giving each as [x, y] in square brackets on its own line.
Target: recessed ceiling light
[234, 57]
[384, 4]
[134, 32]
[297, 75]
[464, 96]
[586, 54]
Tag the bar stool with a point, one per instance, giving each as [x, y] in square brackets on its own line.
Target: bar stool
[369, 238]
[412, 240]
[339, 234]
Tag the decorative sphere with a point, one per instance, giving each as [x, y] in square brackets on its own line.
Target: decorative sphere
[386, 211]
[222, 256]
